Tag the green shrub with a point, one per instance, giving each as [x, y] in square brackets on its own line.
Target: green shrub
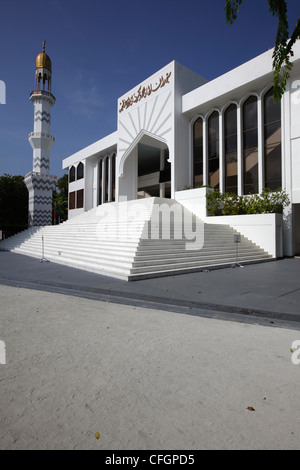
[268, 202]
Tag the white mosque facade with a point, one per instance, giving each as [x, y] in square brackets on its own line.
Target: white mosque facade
[137, 197]
[177, 132]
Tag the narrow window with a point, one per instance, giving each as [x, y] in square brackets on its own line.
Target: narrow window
[80, 171]
[72, 200]
[106, 178]
[231, 175]
[113, 176]
[100, 182]
[272, 141]
[213, 150]
[79, 199]
[198, 153]
[250, 146]
[72, 174]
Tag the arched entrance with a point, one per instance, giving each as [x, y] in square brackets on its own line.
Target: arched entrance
[144, 169]
[154, 172]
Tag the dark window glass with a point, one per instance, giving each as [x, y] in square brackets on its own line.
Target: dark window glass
[250, 139]
[272, 110]
[272, 141]
[165, 174]
[72, 174]
[250, 146]
[100, 182]
[213, 150]
[72, 200]
[230, 130]
[198, 153]
[80, 171]
[80, 199]
[113, 172]
[106, 179]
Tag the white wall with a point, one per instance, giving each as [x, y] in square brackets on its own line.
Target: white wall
[185, 81]
[74, 213]
[295, 134]
[194, 200]
[265, 230]
[88, 184]
[127, 185]
[151, 111]
[160, 115]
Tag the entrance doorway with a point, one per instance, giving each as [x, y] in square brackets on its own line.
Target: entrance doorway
[154, 172]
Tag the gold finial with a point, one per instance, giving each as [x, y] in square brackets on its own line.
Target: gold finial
[43, 60]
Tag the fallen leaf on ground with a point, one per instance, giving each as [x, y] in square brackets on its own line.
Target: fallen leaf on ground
[250, 408]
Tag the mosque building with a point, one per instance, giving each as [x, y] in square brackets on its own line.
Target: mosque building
[176, 130]
[178, 138]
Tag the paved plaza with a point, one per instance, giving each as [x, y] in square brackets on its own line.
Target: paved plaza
[270, 290]
[150, 364]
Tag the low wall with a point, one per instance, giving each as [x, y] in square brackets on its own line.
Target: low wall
[74, 212]
[194, 200]
[265, 230]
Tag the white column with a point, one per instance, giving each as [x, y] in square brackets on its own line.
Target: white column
[240, 165]
[109, 161]
[99, 198]
[95, 184]
[103, 179]
[221, 155]
[287, 174]
[260, 145]
[162, 167]
[205, 173]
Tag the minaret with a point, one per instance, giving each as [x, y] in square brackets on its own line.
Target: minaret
[39, 183]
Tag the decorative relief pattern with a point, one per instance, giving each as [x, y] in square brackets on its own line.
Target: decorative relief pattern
[41, 134]
[144, 92]
[42, 116]
[41, 163]
[40, 199]
[154, 118]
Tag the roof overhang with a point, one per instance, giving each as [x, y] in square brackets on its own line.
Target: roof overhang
[254, 74]
[106, 145]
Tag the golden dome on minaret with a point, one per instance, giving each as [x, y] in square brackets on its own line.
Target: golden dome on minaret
[43, 60]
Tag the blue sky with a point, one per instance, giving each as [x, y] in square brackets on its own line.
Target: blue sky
[101, 49]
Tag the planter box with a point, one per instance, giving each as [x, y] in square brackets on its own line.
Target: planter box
[265, 230]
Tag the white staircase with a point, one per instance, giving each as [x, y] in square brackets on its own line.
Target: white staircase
[126, 240]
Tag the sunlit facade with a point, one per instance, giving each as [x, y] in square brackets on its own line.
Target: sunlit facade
[176, 131]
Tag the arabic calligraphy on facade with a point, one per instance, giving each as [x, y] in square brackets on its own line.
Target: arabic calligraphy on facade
[143, 92]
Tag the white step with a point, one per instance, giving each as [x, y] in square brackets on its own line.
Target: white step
[119, 248]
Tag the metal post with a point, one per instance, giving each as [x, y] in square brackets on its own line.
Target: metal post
[237, 240]
[43, 259]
